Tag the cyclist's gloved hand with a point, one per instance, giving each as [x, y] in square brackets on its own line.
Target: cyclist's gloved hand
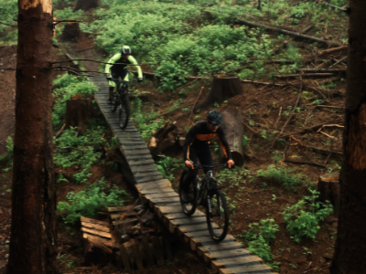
[189, 164]
[230, 163]
[139, 80]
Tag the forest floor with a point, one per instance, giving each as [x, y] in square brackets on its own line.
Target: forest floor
[264, 108]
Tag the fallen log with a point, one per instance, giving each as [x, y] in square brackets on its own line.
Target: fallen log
[333, 6]
[234, 134]
[291, 33]
[164, 139]
[307, 75]
[304, 163]
[332, 50]
[322, 70]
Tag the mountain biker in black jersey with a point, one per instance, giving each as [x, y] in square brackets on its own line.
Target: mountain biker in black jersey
[196, 146]
[117, 67]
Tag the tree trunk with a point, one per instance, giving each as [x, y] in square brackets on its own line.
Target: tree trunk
[223, 88]
[165, 140]
[71, 33]
[234, 135]
[33, 231]
[350, 248]
[86, 5]
[328, 187]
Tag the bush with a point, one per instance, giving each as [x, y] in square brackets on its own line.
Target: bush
[81, 151]
[167, 165]
[282, 176]
[87, 202]
[304, 217]
[7, 159]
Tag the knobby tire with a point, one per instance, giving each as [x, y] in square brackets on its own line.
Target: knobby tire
[116, 102]
[187, 208]
[124, 109]
[218, 227]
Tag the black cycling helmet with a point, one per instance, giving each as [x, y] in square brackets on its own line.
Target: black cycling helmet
[214, 117]
[126, 50]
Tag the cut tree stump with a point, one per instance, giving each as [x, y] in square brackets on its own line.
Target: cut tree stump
[223, 88]
[234, 135]
[78, 113]
[86, 5]
[71, 33]
[165, 139]
[329, 189]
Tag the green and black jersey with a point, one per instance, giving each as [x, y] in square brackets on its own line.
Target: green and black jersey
[117, 63]
[199, 135]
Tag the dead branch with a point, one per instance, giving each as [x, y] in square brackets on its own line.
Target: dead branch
[305, 129]
[194, 105]
[333, 6]
[291, 33]
[55, 22]
[290, 116]
[181, 87]
[249, 127]
[7, 68]
[304, 163]
[307, 75]
[263, 83]
[58, 134]
[332, 50]
[317, 148]
[326, 134]
[322, 70]
[279, 116]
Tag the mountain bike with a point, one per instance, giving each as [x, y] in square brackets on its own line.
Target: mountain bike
[121, 101]
[206, 192]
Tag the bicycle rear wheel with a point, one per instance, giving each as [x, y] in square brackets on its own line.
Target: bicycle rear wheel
[189, 206]
[217, 215]
[124, 111]
[115, 102]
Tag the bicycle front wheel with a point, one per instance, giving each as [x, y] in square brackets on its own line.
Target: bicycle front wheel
[189, 202]
[115, 103]
[124, 111]
[217, 215]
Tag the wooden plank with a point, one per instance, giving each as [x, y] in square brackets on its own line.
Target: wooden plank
[164, 209]
[180, 215]
[118, 208]
[254, 268]
[195, 227]
[143, 168]
[96, 226]
[222, 246]
[137, 256]
[97, 232]
[89, 220]
[216, 255]
[158, 251]
[189, 221]
[158, 191]
[147, 179]
[168, 200]
[163, 183]
[141, 163]
[125, 259]
[134, 220]
[136, 152]
[140, 157]
[161, 195]
[106, 242]
[237, 261]
[135, 147]
[118, 215]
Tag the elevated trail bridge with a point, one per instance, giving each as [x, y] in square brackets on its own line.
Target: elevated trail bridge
[225, 257]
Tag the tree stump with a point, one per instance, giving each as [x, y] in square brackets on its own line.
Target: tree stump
[223, 87]
[234, 134]
[86, 5]
[329, 189]
[78, 113]
[165, 139]
[71, 33]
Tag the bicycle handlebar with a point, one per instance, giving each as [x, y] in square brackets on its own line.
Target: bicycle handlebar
[120, 80]
[210, 167]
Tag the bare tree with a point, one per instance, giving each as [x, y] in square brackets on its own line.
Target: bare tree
[350, 249]
[33, 231]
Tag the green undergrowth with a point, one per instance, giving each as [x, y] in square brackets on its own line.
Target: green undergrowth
[282, 176]
[8, 12]
[81, 151]
[146, 121]
[259, 237]
[88, 201]
[166, 165]
[6, 160]
[304, 217]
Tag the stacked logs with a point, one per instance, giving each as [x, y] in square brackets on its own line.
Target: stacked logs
[132, 239]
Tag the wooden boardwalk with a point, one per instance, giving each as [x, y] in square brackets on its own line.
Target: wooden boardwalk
[225, 257]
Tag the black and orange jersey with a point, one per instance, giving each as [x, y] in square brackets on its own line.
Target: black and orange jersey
[199, 135]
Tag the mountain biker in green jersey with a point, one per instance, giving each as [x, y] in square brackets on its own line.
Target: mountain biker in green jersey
[196, 146]
[117, 67]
